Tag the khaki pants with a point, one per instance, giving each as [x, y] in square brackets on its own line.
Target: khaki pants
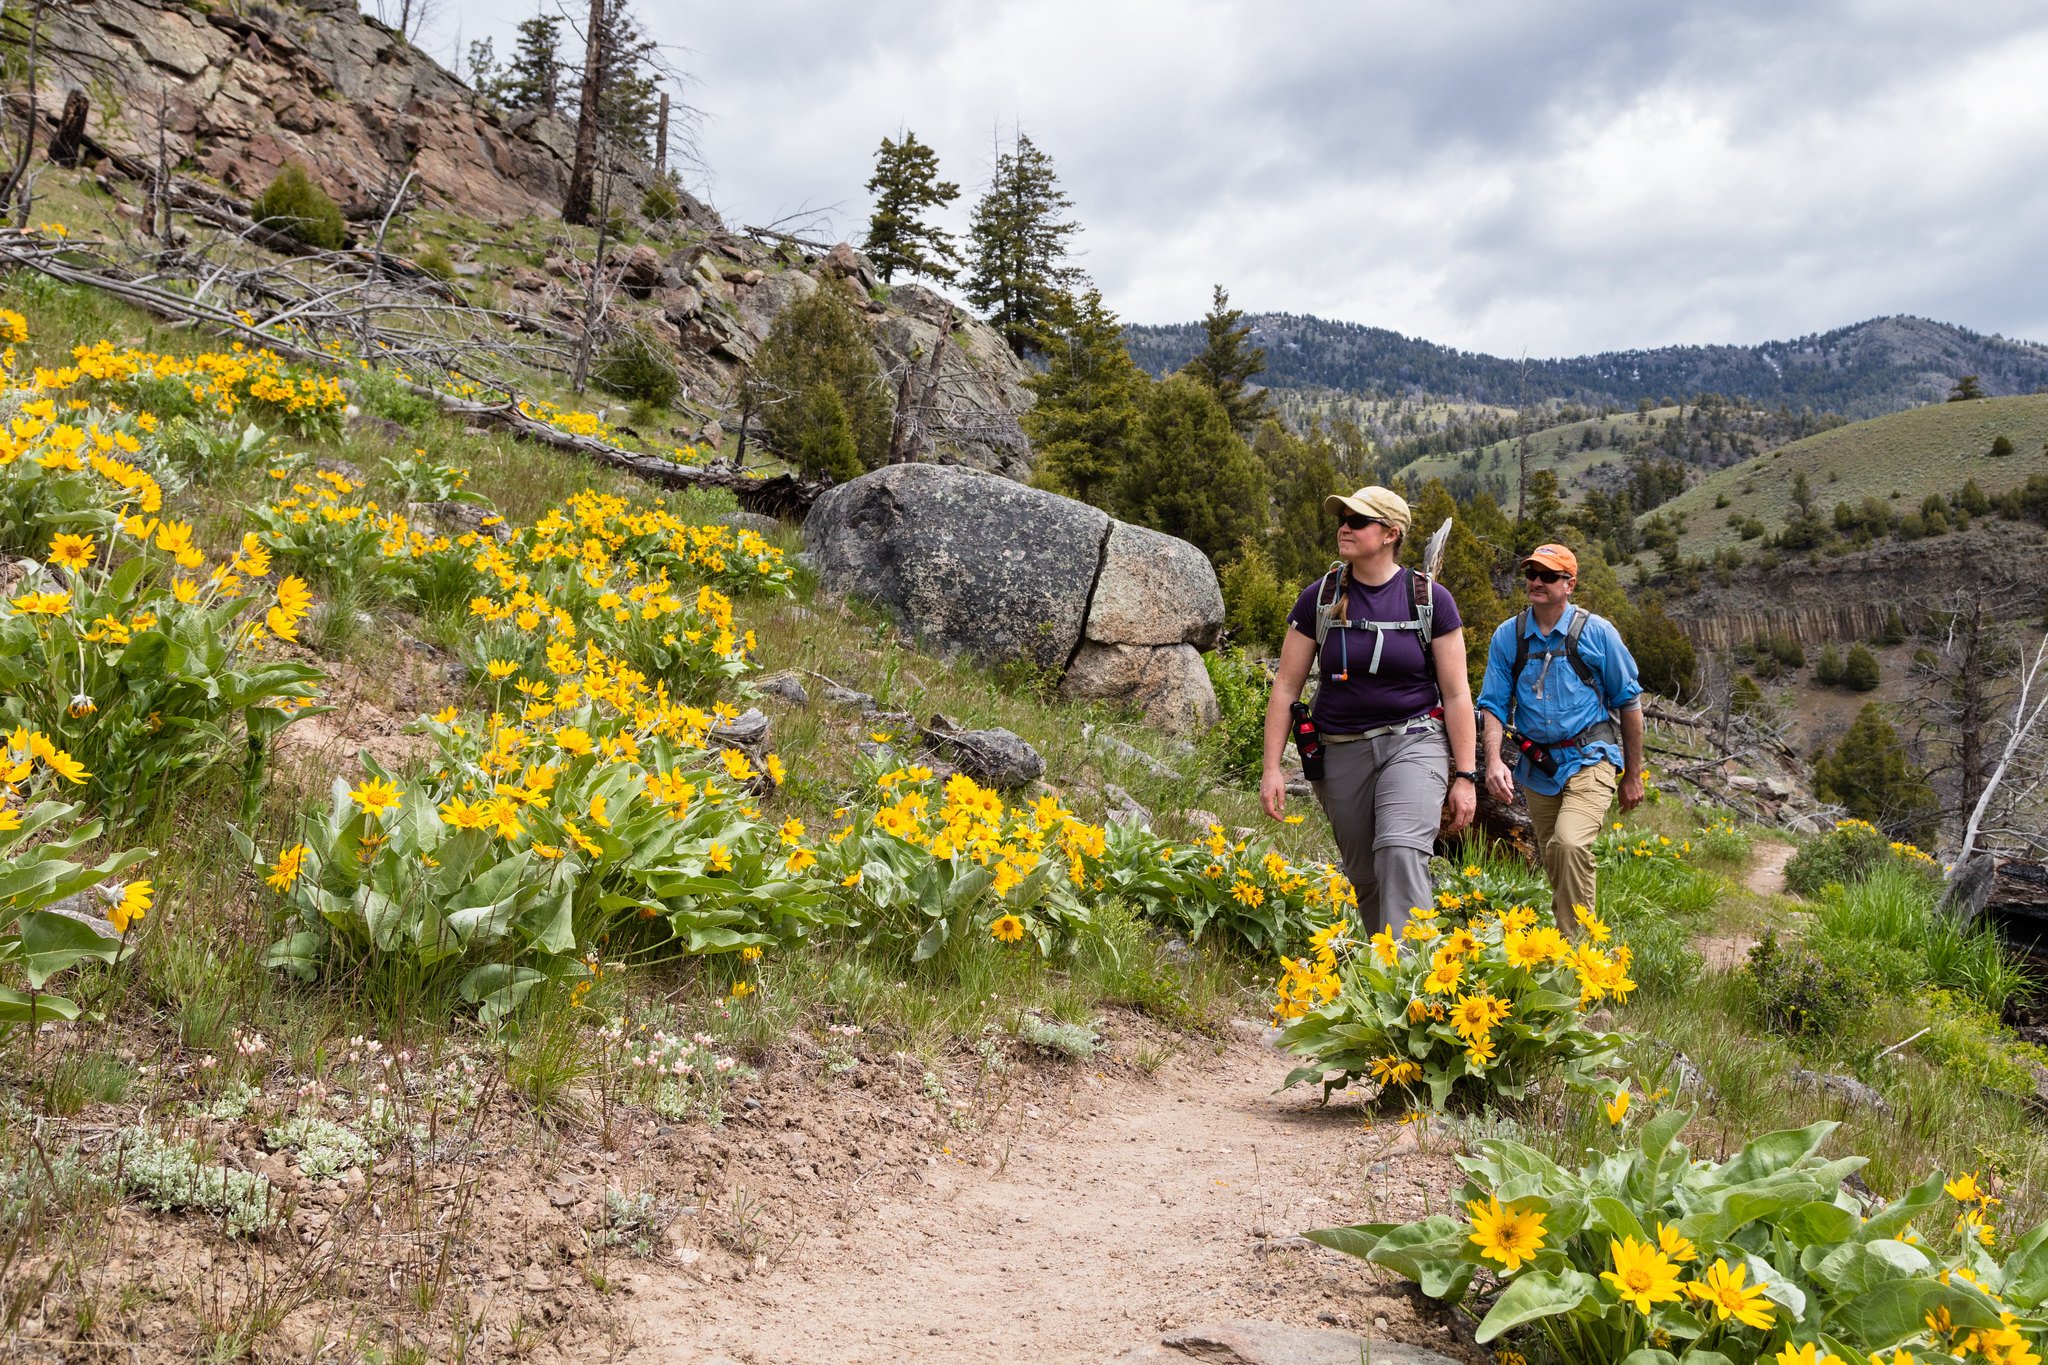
[1566, 825]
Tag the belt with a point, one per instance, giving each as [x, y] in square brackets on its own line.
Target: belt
[1429, 723]
[1599, 732]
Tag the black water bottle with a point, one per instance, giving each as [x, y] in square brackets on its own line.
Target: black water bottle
[1308, 740]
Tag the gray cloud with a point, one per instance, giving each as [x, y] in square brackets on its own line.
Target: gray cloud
[1559, 177]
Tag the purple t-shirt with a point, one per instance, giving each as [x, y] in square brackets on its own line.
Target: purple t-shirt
[1403, 687]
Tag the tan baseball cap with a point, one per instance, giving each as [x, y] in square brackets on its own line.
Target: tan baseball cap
[1375, 501]
[1556, 557]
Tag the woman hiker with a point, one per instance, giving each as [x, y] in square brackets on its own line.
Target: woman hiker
[1394, 711]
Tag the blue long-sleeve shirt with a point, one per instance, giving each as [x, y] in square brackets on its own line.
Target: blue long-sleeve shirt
[1566, 705]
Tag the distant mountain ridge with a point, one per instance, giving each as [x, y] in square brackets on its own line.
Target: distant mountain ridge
[1864, 370]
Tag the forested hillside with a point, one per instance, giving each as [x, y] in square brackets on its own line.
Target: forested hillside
[1863, 370]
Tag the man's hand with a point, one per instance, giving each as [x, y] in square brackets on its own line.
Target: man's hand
[1463, 801]
[1273, 793]
[1500, 780]
[1631, 791]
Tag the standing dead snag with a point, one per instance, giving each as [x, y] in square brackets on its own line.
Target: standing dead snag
[915, 399]
[576, 203]
[67, 148]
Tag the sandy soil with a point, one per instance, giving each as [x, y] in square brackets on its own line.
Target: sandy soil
[1089, 1222]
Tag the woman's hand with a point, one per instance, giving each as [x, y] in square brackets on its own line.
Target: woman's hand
[1273, 793]
[1462, 801]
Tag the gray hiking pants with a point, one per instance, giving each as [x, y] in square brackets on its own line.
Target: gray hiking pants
[1384, 799]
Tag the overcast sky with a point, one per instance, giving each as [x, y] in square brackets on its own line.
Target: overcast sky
[1552, 177]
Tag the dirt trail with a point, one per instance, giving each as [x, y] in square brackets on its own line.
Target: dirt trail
[1765, 876]
[1146, 1205]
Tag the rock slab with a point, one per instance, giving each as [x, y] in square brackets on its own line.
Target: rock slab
[1252, 1342]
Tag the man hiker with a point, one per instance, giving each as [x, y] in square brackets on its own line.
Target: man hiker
[1562, 684]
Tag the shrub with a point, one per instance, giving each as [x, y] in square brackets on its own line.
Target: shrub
[1495, 1003]
[824, 445]
[297, 207]
[1255, 605]
[172, 1174]
[1868, 773]
[661, 204]
[1859, 670]
[1848, 853]
[436, 262]
[1799, 992]
[633, 367]
[1644, 1254]
[1235, 747]
[2001, 446]
[1828, 671]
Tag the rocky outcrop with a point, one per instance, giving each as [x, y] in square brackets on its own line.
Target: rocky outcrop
[981, 384]
[249, 88]
[1849, 597]
[977, 564]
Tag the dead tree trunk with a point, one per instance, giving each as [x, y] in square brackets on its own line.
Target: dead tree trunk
[914, 398]
[67, 148]
[17, 177]
[582, 171]
[661, 138]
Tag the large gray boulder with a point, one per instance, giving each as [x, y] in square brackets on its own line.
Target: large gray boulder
[1155, 589]
[968, 562]
[1166, 682]
[976, 564]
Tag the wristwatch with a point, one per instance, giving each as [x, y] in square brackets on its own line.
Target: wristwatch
[1472, 777]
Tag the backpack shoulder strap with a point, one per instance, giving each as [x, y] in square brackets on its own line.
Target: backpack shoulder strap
[1520, 619]
[1422, 595]
[1330, 594]
[1571, 648]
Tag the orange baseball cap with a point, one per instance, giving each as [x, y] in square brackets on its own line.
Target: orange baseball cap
[1554, 557]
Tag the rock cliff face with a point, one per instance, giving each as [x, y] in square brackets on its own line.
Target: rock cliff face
[1849, 597]
[244, 90]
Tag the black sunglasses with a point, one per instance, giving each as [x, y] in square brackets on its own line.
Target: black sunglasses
[1532, 573]
[1358, 522]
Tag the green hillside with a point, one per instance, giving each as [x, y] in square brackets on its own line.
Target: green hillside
[1902, 459]
[1562, 449]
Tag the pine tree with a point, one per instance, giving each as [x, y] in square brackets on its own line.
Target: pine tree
[1301, 471]
[1254, 602]
[1859, 670]
[1189, 474]
[1020, 246]
[1828, 671]
[1867, 772]
[1227, 364]
[533, 78]
[819, 341]
[1466, 573]
[906, 184]
[1088, 402]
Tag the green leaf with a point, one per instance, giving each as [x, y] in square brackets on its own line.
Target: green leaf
[930, 941]
[1817, 1222]
[382, 916]
[497, 988]
[558, 934]
[1358, 1240]
[1643, 1355]
[1774, 1152]
[1659, 1133]
[1894, 1311]
[20, 1007]
[1619, 1219]
[50, 942]
[1537, 1294]
[1430, 1253]
[297, 953]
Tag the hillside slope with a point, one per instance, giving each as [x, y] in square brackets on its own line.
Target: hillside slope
[1901, 459]
[1864, 370]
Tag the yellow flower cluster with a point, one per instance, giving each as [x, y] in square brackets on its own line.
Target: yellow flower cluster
[1307, 982]
[973, 824]
[221, 382]
[589, 425]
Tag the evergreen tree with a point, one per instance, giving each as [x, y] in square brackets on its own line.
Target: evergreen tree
[1467, 571]
[906, 184]
[1665, 660]
[1966, 389]
[1255, 604]
[1020, 246]
[1301, 472]
[1545, 519]
[1859, 671]
[1828, 670]
[533, 78]
[1228, 363]
[819, 341]
[1867, 772]
[627, 101]
[1089, 402]
[1189, 475]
